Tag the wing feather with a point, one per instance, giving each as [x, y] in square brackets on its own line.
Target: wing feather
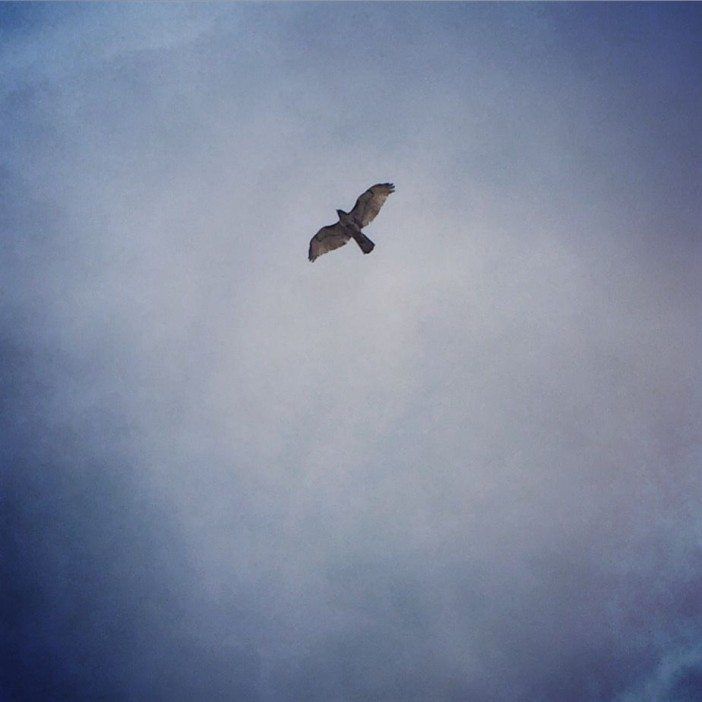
[328, 239]
[368, 205]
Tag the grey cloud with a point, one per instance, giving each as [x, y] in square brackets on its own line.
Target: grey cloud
[463, 467]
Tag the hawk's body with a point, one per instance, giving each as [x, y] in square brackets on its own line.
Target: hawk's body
[350, 223]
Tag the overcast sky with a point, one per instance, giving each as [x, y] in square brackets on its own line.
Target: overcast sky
[464, 467]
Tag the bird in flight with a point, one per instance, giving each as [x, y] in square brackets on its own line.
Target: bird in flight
[350, 223]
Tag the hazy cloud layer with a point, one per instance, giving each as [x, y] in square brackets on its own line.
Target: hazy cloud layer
[466, 466]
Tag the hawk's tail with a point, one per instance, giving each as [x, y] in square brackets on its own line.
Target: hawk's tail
[363, 241]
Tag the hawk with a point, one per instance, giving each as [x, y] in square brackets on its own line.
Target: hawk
[350, 223]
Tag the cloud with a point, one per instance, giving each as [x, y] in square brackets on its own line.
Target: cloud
[462, 467]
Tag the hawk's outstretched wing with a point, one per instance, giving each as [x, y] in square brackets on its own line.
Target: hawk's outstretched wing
[328, 239]
[368, 205]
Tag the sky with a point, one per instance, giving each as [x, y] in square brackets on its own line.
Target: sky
[464, 467]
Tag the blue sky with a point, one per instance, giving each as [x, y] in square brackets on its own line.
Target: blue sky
[463, 467]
